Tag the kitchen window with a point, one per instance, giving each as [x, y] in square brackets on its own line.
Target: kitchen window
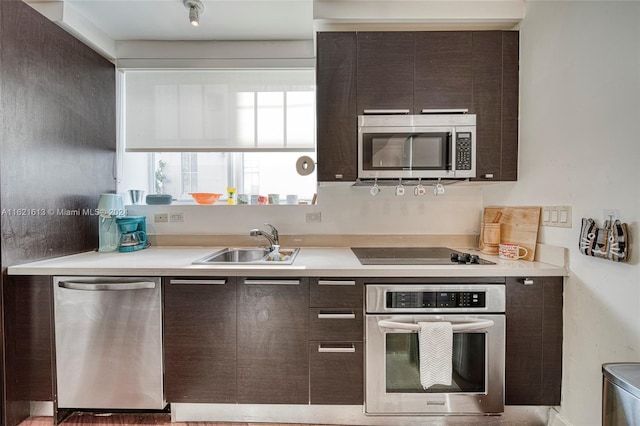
[251, 173]
[207, 130]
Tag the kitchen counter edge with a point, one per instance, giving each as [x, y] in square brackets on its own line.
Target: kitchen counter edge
[318, 262]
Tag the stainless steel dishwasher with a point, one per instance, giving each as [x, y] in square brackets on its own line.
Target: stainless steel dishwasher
[108, 336]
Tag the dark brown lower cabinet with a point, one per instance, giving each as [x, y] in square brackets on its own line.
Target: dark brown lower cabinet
[273, 338]
[28, 338]
[336, 372]
[27, 333]
[336, 348]
[533, 370]
[200, 339]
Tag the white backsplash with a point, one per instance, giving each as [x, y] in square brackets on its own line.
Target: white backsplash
[344, 210]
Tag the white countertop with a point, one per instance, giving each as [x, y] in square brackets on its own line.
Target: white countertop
[320, 262]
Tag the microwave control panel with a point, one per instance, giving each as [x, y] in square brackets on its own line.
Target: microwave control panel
[436, 299]
[463, 151]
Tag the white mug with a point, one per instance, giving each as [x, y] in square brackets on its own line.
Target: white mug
[511, 251]
[274, 198]
[292, 199]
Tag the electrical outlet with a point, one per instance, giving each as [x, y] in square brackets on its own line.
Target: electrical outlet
[160, 217]
[176, 217]
[313, 217]
[556, 216]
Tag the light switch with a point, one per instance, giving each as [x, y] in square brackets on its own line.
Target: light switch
[563, 216]
[556, 216]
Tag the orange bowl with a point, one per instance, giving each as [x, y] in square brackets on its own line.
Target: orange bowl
[205, 197]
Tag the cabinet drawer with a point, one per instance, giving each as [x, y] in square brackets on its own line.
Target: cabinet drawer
[336, 373]
[336, 293]
[336, 324]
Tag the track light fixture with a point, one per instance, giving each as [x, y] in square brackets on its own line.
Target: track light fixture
[196, 8]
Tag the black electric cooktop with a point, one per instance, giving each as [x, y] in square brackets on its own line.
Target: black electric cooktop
[415, 256]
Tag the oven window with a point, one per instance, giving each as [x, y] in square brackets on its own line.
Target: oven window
[399, 151]
[403, 364]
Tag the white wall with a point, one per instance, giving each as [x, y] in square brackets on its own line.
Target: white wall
[344, 210]
[580, 146]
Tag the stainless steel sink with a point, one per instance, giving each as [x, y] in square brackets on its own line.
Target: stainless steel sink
[249, 256]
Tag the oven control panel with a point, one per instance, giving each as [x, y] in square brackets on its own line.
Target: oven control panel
[435, 299]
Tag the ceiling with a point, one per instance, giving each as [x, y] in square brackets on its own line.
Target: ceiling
[160, 29]
[221, 20]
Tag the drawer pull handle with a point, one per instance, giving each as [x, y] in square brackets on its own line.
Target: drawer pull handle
[336, 349]
[346, 315]
[336, 282]
[386, 111]
[272, 282]
[445, 111]
[527, 281]
[215, 282]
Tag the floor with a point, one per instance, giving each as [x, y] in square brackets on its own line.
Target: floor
[90, 419]
[82, 419]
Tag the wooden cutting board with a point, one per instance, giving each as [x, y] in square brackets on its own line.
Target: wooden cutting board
[517, 225]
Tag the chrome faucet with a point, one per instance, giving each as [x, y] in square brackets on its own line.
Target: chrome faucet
[273, 237]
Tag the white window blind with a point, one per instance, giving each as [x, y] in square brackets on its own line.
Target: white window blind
[219, 110]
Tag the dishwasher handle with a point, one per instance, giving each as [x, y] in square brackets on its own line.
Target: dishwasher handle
[107, 286]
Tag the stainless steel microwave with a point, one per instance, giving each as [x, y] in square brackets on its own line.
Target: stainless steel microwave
[417, 146]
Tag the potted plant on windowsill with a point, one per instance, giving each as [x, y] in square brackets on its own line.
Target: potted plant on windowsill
[159, 197]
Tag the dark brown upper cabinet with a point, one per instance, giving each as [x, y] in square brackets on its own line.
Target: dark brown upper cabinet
[412, 71]
[495, 103]
[336, 106]
[385, 71]
[443, 71]
[510, 101]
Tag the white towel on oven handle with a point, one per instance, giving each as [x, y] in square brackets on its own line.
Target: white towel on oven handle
[435, 340]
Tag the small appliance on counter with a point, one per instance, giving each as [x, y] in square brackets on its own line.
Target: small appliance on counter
[154, 199]
[110, 206]
[133, 231]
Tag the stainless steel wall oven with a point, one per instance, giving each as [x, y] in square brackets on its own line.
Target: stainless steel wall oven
[476, 314]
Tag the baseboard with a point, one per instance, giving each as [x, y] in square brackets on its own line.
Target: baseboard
[346, 415]
[556, 419]
[41, 409]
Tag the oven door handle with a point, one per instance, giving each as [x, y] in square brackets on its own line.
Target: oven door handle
[458, 327]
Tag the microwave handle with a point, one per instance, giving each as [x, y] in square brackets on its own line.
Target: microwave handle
[453, 150]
